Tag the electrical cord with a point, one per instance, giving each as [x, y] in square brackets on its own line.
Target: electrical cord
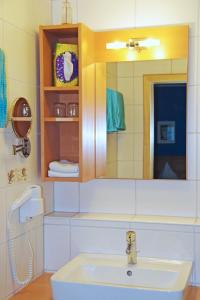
[13, 258]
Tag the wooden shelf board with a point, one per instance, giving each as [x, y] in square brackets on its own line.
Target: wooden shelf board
[63, 28]
[70, 89]
[54, 119]
[70, 179]
[21, 119]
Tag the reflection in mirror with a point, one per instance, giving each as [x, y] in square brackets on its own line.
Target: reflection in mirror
[152, 141]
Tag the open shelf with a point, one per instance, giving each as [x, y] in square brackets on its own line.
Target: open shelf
[70, 179]
[54, 119]
[21, 119]
[71, 89]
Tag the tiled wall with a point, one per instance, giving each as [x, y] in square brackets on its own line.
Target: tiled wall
[19, 22]
[138, 197]
[127, 78]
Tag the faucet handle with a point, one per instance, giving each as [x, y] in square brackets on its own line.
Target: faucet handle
[130, 236]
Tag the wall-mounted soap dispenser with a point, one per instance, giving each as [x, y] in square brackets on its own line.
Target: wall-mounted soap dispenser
[21, 119]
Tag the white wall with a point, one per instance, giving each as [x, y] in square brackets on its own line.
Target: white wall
[19, 20]
[177, 198]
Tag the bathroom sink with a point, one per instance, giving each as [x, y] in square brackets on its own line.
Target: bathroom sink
[109, 277]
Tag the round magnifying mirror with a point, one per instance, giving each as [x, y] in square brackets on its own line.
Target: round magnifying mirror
[21, 117]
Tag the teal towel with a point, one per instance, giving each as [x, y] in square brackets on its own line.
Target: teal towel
[115, 111]
[3, 97]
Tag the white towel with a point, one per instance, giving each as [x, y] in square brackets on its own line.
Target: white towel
[64, 166]
[59, 174]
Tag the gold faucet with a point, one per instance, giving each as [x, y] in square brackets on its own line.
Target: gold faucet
[131, 247]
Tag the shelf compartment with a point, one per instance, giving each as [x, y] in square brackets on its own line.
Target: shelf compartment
[51, 98]
[68, 90]
[49, 36]
[54, 119]
[61, 142]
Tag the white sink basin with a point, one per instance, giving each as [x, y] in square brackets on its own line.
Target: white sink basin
[108, 277]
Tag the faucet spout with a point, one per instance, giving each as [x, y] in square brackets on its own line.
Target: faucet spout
[131, 247]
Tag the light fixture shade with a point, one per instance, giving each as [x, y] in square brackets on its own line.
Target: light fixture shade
[147, 43]
[134, 44]
[116, 45]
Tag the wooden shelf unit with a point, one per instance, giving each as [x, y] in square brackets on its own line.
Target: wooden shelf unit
[68, 138]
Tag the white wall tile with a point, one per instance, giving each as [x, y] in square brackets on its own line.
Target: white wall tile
[198, 58]
[108, 196]
[152, 67]
[125, 69]
[191, 156]
[48, 194]
[20, 54]
[14, 10]
[193, 61]
[166, 197]
[192, 109]
[66, 196]
[1, 8]
[97, 240]
[3, 218]
[3, 269]
[197, 258]
[138, 90]
[179, 65]
[198, 157]
[170, 12]
[1, 32]
[125, 146]
[125, 86]
[125, 169]
[165, 244]
[198, 197]
[57, 11]
[39, 234]
[57, 246]
[198, 107]
[106, 14]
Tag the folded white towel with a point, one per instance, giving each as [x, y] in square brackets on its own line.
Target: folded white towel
[59, 174]
[64, 166]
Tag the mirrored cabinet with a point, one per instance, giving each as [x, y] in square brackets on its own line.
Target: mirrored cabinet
[113, 103]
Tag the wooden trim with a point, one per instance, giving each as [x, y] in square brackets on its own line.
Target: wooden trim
[148, 119]
[61, 89]
[54, 119]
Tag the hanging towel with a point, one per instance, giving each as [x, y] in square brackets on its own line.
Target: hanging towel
[64, 166]
[3, 98]
[59, 174]
[115, 111]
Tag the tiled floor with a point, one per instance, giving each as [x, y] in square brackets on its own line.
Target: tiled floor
[40, 289]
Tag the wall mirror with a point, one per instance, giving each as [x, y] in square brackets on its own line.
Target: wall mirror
[149, 141]
[21, 118]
